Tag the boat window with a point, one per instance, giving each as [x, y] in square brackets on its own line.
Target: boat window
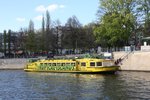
[54, 64]
[73, 64]
[99, 63]
[92, 64]
[67, 63]
[63, 64]
[83, 64]
[58, 64]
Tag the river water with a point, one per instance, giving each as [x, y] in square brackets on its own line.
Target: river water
[20, 85]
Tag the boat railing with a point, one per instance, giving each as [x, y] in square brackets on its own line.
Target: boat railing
[33, 60]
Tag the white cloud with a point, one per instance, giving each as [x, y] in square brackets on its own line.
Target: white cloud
[38, 18]
[19, 19]
[40, 8]
[62, 6]
[50, 8]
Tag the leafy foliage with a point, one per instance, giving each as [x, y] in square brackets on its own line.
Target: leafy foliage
[31, 38]
[144, 13]
[116, 25]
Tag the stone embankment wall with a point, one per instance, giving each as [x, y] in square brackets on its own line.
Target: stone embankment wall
[15, 63]
[134, 61]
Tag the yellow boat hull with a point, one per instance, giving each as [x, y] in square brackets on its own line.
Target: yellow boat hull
[88, 65]
[110, 69]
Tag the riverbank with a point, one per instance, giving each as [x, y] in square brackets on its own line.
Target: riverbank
[13, 64]
[134, 61]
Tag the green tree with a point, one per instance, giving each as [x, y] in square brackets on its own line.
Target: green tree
[21, 40]
[144, 15]
[40, 41]
[57, 31]
[89, 36]
[9, 43]
[117, 23]
[48, 35]
[31, 26]
[71, 37]
[31, 38]
[43, 37]
[5, 41]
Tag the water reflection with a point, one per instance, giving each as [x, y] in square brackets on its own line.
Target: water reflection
[58, 86]
[114, 88]
[73, 86]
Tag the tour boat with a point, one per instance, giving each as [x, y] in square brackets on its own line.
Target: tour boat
[83, 65]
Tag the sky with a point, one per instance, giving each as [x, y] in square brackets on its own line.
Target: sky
[16, 14]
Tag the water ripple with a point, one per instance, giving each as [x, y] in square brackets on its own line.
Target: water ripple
[19, 85]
